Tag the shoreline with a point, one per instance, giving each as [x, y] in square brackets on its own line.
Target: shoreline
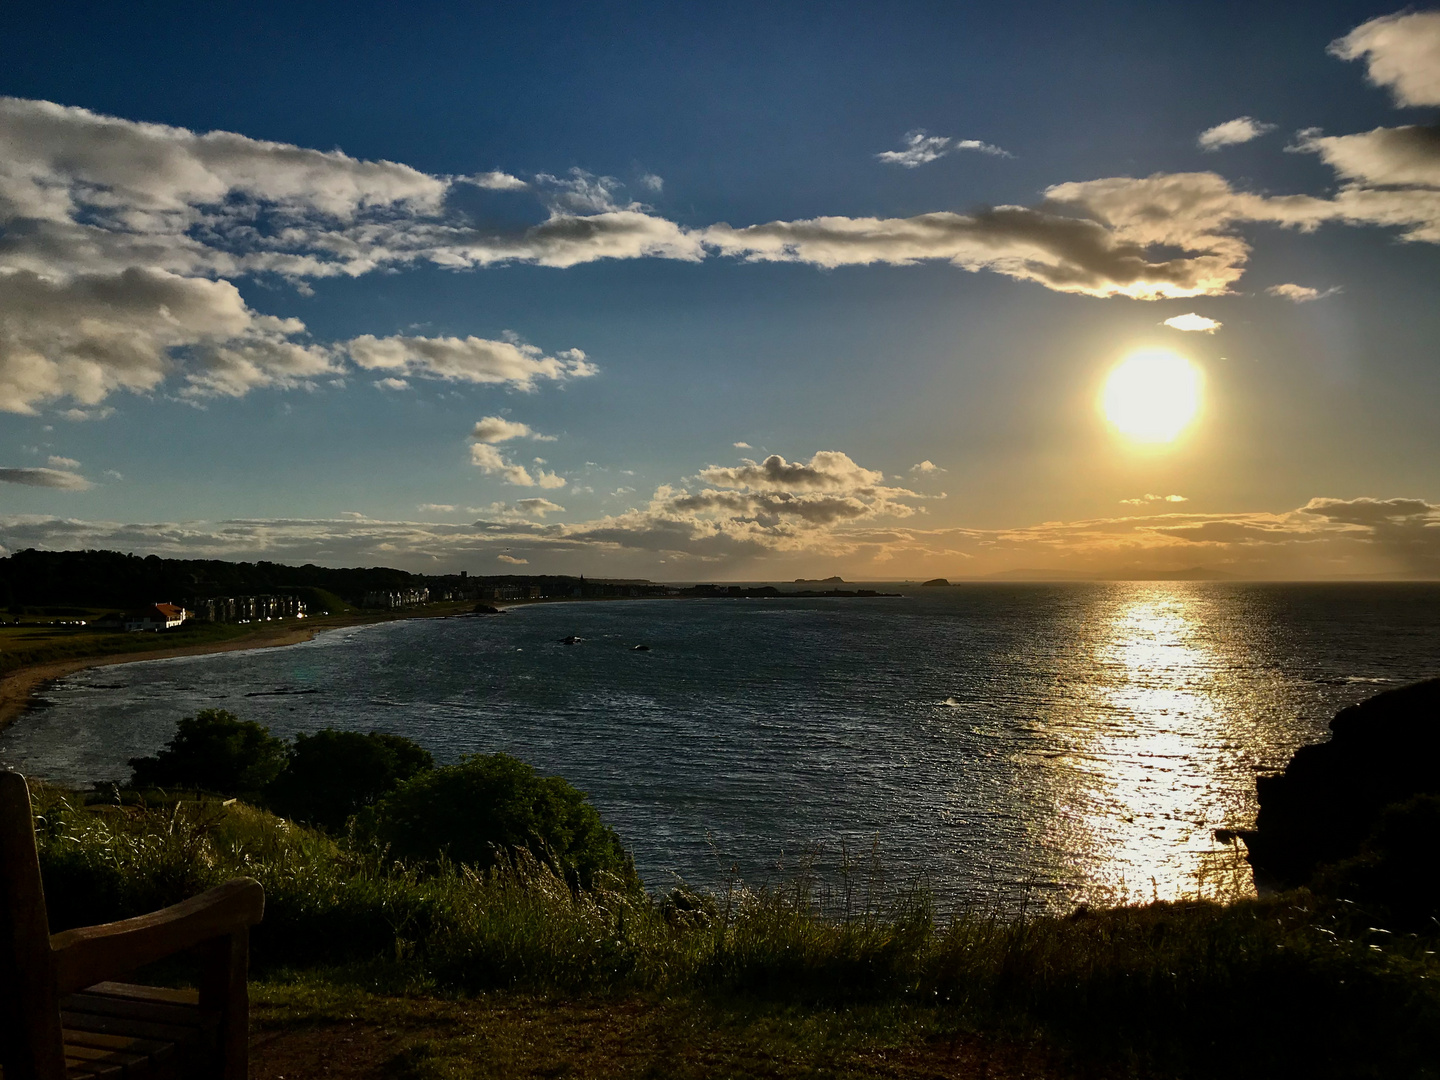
[20, 688]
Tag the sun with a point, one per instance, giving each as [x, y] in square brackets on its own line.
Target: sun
[1151, 396]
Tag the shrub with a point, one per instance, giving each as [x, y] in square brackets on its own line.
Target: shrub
[488, 806]
[214, 751]
[333, 774]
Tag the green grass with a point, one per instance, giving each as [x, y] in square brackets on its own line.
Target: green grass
[28, 644]
[1288, 985]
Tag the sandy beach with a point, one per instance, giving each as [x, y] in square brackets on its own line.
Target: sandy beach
[18, 688]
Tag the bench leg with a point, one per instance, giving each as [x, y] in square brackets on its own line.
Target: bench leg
[223, 988]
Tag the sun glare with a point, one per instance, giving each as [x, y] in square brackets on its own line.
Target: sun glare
[1151, 396]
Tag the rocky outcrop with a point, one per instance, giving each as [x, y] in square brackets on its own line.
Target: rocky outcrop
[1330, 798]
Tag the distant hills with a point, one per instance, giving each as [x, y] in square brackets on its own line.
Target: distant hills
[1194, 573]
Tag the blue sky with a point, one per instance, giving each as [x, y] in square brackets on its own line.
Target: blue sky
[434, 248]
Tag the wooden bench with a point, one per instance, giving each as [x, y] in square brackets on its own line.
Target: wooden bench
[63, 1014]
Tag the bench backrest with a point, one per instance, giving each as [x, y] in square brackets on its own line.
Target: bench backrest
[31, 1043]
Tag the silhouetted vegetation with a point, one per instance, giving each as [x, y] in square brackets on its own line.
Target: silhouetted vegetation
[489, 808]
[331, 775]
[214, 751]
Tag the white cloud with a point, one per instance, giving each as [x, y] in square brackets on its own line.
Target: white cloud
[926, 466]
[114, 475]
[920, 148]
[437, 508]
[496, 429]
[1403, 156]
[469, 360]
[47, 478]
[742, 446]
[1233, 132]
[58, 462]
[1192, 323]
[87, 336]
[1401, 51]
[652, 182]
[1301, 294]
[497, 181]
[392, 384]
[512, 560]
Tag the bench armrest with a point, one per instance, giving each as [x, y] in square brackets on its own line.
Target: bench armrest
[91, 954]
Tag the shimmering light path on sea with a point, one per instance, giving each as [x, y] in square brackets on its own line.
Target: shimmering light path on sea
[999, 742]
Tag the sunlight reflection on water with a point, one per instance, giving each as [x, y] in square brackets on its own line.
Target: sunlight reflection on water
[1142, 783]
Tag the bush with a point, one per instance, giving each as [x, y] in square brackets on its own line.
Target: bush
[213, 751]
[333, 774]
[488, 806]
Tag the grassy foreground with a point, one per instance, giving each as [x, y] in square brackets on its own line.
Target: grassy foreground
[451, 972]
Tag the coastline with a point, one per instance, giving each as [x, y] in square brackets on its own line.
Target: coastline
[19, 688]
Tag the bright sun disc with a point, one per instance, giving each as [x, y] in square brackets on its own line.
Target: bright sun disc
[1152, 395]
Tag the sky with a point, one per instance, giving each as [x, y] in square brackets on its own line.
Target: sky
[707, 292]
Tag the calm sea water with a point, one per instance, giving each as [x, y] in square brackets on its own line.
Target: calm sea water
[997, 742]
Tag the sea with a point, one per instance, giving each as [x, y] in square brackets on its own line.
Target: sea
[999, 745]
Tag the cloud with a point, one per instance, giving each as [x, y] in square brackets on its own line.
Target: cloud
[470, 360]
[47, 478]
[1193, 323]
[1062, 251]
[1146, 500]
[87, 336]
[826, 470]
[436, 508]
[742, 446]
[392, 384]
[539, 507]
[652, 182]
[1375, 512]
[926, 466]
[920, 148]
[1401, 51]
[512, 560]
[58, 462]
[1399, 157]
[1233, 132]
[519, 510]
[761, 533]
[496, 429]
[496, 181]
[1301, 294]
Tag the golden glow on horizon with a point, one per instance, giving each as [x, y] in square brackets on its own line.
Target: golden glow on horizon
[1151, 396]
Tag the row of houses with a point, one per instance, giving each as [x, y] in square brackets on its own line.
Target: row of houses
[390, 599]
[155, 617]
[239, 609]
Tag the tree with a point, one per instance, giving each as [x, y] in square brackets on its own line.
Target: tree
[486, 806]
[214, 751]
[333, 774]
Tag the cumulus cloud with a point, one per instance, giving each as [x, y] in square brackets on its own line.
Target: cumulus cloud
[469, 360]
[920, 148]
[392, 384]
[437, 508]
[926, 466]
[742, 446]
[496, 429]
[89, 335]
[58, 462]
[1192, 323]
[1233, 132]
[1401, 52]
[47, 478]
[1301, 294]
[512, 560]
[1385, 157]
